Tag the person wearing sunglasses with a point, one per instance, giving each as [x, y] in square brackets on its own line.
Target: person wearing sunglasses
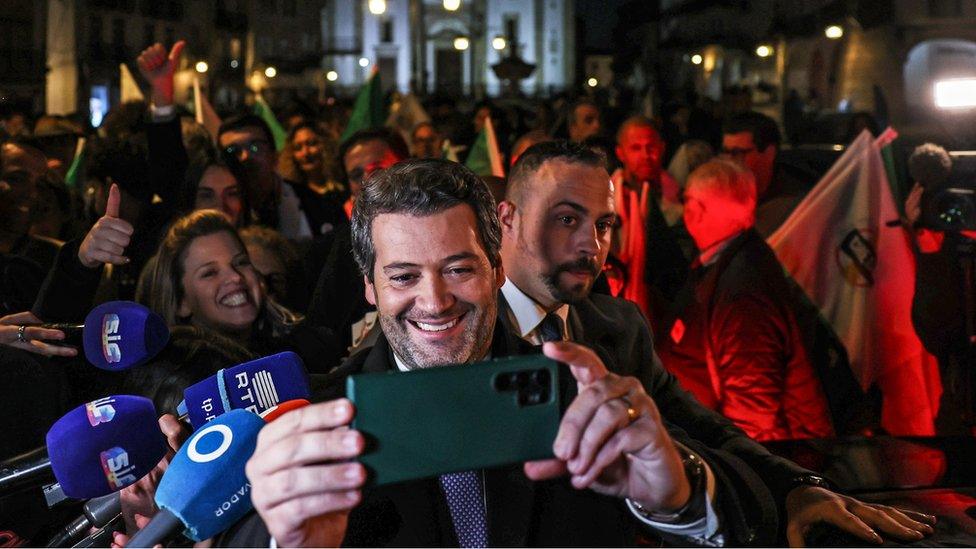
[247, 145]
[753, 140]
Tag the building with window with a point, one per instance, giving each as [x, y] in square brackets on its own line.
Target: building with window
[448, 47]
[237, 40]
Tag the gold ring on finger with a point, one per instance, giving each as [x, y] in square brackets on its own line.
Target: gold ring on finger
[632, 413]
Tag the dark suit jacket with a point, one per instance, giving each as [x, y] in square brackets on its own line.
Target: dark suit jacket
[742, 308]
[520, 512]
[616, 330]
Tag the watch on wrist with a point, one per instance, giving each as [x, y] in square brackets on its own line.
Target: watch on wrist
[812, 480]
[695, 507]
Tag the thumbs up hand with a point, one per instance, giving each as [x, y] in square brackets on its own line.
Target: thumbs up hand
[157, 66]
[108, 238]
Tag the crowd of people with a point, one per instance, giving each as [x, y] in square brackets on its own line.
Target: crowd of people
[375, 253]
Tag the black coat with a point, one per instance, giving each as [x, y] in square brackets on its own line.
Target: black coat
[522, 512]
[616, 330]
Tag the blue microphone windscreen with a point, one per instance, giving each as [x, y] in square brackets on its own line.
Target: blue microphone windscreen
[255, 386]
[205, 485]
[122, 334]
[105, 445]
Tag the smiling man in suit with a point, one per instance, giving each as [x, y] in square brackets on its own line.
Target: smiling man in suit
[556, 225]
[427, 240]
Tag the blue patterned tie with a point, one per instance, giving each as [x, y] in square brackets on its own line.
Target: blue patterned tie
[551, 328]
[464, 497]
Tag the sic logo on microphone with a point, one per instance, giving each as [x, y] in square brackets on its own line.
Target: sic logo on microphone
[111, 338]
[100, 411]
[118, 470]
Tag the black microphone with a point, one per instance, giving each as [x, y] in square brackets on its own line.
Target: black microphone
[28, 469]
[97, 512]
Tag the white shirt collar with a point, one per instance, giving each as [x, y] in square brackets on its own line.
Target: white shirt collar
[711, 254]
[526, 313]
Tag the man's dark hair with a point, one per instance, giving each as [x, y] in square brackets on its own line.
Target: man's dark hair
[123, 160]
[422, 187]
[579, 103]
[392, 138]
[929, 165]
[764, 130]
[242, 121]
[535, 156]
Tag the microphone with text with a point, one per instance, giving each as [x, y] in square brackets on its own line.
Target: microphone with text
[96, 449]
[255, 386]
[205, 490]
[118, 335]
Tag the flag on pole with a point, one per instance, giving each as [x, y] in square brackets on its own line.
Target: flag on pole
[405, 113]
[128, 89]
[204, 111]
[860, 273]
[262, 109]
[73, 177]
[368, 111]
[485, 157]
[450, 152]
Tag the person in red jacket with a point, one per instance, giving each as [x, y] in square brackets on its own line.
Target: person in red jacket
[735, 342]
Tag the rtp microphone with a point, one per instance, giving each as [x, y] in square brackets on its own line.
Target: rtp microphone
[122, 334]
[205, 490]
[96, 449]
[255, 386]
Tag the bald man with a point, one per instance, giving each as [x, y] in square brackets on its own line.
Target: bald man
[647, 240]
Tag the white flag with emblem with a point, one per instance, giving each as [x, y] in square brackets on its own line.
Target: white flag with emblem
[860, 273]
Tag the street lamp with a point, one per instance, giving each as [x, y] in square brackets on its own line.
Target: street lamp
[696, 59]
[332, 76]
[271, 72]
[461, 43]
[377, 7]
[834, 32]
[764, 51]
[592, 82]
[499, 43]
[363, 62]
[201, 67]
[452, 5]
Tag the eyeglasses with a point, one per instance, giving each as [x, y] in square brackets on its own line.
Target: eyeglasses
[737, 152]
[253, 147]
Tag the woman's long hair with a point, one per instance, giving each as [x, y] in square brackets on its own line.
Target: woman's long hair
[290, 170]
[161, 284]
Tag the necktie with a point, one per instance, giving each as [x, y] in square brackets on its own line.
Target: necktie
[551, 328]
[466, 502]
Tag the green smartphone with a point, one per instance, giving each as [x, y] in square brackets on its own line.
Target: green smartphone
[447, 419]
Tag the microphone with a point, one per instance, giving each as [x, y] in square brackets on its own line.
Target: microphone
[96, 513]
[275, 412]
[256, 386]
[119, 335]
[96, 449]
[205, 490]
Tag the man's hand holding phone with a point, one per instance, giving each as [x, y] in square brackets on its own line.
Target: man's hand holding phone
[303, 481]
[611, 438]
